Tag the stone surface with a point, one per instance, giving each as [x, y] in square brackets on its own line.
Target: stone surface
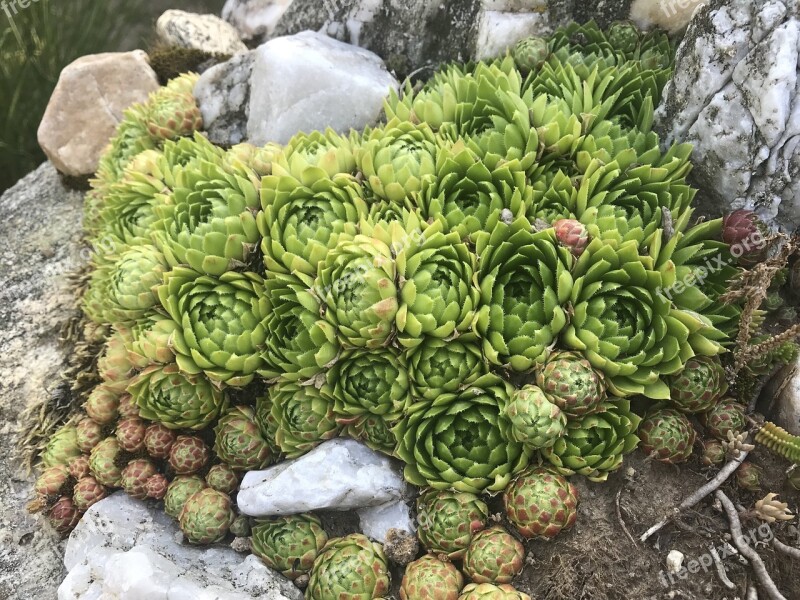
[376, 521]
[734, 97]
[498, 31]
[208, 33]
[341, 474]
[782, 398]
[87, 104]
[223, 95]
[124, 549]
[254, 19]
[672, 15]
[41, 228]
[293, 84]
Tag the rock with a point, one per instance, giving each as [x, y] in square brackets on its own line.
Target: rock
[782, 395]
[499, 31]
[675, 561]
[254, 19]
[223, 95]
[309, 81]
[293, 84]
[376, 521]
[400, 546]
[733, 96]
[87, 104]
[42, 227]
[342, 474]
[672, 15]
[124, 549]
[208, 33]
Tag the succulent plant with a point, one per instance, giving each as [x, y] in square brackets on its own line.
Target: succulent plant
[222, 478]
[429, 577]
[699, 385]
[595, 445]
[102, 406]
[745, 233]
[79, 467]
[158, 440]
[63, 516]
[326, 150]
[115, 366]
[130, 434]
[572, 234]
[88, 434]
[258, 158]
[127, 407]
[135, 476]
[350, 566]
[62, 447]
[461, 441]
[103, 463]
[572, 384]
[88, 491]
[240, 526]
[494, 556]
[531, 53]
[713, 453]
[221, 323]
[727, 415]
[624, 36]
[175, 399]
[541, 503]
[52, 481]
[438, 367]
[749, 476]
[174, 115]
[304, 417]
[289, 544]
[375, 432]
[667, 436]
[447, 521]
[179, 490]
[490, 591]
[148, 341]
[188, 455]
[238, 440]
[206, 516]
[156, 486]
[535, 421]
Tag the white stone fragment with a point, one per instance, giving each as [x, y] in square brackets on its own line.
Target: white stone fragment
[675, 561]
[500, 31]
[254, 18]
[309, 82]
[672, 15]
[125, 550]
[208, 33]
[376, 521]
[341, 474]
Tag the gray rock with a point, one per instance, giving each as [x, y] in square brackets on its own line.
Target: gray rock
[124, 549]
[41, 227]
[733, 96]
[341, 474]
[254, 19]
[782, 395]
[223, 95]
[208, 33]
[87, 104]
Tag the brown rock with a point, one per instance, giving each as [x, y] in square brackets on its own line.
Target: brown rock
[87, 105]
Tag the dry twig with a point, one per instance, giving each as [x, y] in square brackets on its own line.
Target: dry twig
[622, 521]
[723, 576]
[788, 550]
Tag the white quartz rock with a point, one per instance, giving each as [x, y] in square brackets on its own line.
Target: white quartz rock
[125, 550]
[500, 31]
[341, 474]
[309, 82]
[376, 521]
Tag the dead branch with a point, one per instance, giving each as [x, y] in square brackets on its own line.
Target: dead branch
[622, 521]
[723, 576]
[788, 550]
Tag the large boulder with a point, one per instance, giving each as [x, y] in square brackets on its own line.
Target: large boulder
[734, 96]
[87, 105]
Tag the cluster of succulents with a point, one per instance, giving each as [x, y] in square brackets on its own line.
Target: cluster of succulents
[479, 288]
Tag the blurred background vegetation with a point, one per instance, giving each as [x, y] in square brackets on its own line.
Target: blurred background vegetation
[46, 36]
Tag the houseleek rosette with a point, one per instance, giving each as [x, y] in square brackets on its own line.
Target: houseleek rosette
[329, 151]
[394, 159]
[438, 297]
[298, 343]
[304, 417]
[289, 544]
[176, 400]
[438, 366]
[221, 329]
[148, 341]
[350, 567]
[368, 382]
[461, 441]
[267, 425]
[375, 432]
[357, 285]
[257, 158]
[209, 220]
[238, 441]
[525, 284]
[468, 193]
[596, 444]
[624, 324]
[124, 291]
[305, 214]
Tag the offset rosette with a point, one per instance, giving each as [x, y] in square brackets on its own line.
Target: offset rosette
[439, 366]
[396, 158]
[306, 213]
[238, 441]
[461, 441]
[304, 417]
[438, 297]
[299, 344]
[148, 341]
[525, 284]
[623, 323]
[328, 151]
[176, 400]
[221, 323]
